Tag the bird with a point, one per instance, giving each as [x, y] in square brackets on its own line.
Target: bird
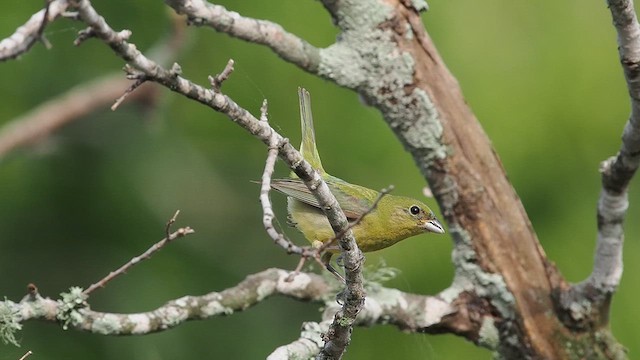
[392, 219]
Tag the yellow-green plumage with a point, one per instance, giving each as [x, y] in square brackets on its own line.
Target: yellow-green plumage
[394, 218]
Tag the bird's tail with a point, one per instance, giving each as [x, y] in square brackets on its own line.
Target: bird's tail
[308, 145]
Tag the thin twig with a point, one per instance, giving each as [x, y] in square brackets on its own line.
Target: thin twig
[167, 228]
[265, 201]
[26, 355]
[45, 21]
[84, 35]
[216, 81]
[296, 271]
[144, 256]
[129, 90]
[267, 207]
[263, 111]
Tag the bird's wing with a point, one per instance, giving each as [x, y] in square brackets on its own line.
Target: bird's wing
[352, 206]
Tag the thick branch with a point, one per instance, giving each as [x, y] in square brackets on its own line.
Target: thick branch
[288, 46]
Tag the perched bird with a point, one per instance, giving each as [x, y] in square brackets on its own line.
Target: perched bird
[394, 218]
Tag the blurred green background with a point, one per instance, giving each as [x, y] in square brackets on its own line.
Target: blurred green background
[542, 77]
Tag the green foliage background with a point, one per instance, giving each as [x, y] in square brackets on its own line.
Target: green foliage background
[542, 77]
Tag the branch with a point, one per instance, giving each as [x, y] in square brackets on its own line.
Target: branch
[216, 84]
[26, 355]
[340, 331]
[265, 201]
[617, 172]
[307, 346]
[409, 312]
[254, 289]
[26, 35]
[288, 46]
[182, 232]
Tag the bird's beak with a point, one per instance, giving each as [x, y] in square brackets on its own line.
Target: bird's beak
[434, 226]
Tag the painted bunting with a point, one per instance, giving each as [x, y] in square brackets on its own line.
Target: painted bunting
[394, 218]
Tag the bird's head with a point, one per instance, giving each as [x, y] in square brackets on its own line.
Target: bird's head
[412, 215]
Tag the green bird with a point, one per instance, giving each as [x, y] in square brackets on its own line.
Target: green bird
[395, 218]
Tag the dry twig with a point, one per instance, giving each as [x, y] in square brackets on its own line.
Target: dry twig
[144, 256]
[216, 81]
[26, 355]
[265, 188]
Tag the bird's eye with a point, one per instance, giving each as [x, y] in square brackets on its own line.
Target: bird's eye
[414, 210]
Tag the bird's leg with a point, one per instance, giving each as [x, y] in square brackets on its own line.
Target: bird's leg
[326, 261]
